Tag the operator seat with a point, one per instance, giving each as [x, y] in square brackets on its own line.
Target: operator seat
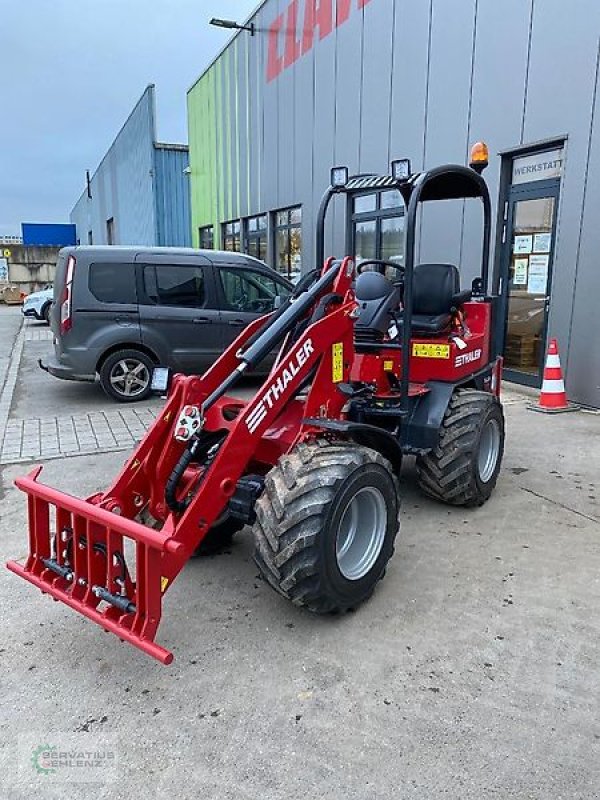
[378, 304]
[436, 293]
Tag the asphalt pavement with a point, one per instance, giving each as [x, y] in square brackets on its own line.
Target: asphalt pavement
[471, 673]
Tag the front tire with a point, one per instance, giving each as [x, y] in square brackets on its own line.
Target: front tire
[326, 524]
[126, 376]
[463, 468]
[46, 313]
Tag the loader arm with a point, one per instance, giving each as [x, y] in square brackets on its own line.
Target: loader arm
[77, 548]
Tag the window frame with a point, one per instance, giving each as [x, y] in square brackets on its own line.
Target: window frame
[146, 299]
[276, 277]
[258, 235]
[288, 226]
[226, 236]
[378, 216]
[210, 229]
[119, 267]
[110, 231]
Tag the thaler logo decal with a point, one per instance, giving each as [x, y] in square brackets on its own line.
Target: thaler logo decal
[466, 358]
[276, 389]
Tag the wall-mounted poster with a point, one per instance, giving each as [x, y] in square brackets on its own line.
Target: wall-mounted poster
[538, 275]
[520, 273]
[523, 244]
[541, 242]
[3, 269]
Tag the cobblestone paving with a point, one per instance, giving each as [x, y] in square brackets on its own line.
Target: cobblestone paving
[38, 334]
[79, 434]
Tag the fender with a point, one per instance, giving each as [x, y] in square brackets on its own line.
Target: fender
[361, 433]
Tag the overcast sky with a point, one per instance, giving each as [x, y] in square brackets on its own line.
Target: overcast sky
[70, 73]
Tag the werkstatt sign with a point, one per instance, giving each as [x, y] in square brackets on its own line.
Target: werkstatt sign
[538, 167]
[292, 34]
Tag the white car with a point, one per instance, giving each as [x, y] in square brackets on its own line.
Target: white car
[37, 304]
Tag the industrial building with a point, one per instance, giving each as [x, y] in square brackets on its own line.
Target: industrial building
[358, 82]
[139, 194]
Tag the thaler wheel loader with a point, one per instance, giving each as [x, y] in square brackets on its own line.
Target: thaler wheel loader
[387, 359]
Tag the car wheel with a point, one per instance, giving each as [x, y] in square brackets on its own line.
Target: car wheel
[126, 376]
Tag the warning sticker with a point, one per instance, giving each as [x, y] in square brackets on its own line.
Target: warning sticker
[337, 362]
[164, 582]
[431, 350]
[388, 366]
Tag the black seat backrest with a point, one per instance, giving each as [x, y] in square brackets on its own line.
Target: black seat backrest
[434, 287]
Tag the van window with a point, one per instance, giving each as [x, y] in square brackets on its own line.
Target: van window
[250, 290]
[113, 283]
[175, 285]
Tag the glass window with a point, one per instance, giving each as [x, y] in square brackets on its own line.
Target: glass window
[365, 203]
[288, 241]
[255, 239]
[249, 290]
[175, 285]
[379, 227]
[365, 245]
[391, 241]
[113, 283]
[206, 237]
[231, 236]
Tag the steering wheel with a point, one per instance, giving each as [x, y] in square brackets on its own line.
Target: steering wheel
[381, 264]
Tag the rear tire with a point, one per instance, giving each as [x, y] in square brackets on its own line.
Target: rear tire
[326, 524]
[463, 469]
[126, 376]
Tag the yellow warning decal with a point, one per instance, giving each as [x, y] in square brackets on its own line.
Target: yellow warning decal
[337, 362]
[431, 350]
[388, 366]
[164, 582]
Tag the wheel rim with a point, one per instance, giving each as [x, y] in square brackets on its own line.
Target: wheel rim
[130, 377]
[489, 449]
[361, 533]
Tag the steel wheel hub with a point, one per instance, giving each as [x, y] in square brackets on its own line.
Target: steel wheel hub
[130, 377]
[489, 450]
[361, 533]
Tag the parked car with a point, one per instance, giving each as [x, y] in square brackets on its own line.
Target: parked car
[121, 311]
[37, 304]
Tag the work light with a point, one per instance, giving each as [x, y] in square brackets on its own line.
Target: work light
[401, 169]
[339, 177]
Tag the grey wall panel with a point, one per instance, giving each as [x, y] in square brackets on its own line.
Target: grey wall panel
[496, 105]
[409, 80]
[452, 36]
[286, 134]
[122, 185]
[583, 373]
[377, 62]
[324, 130]
[559, 99]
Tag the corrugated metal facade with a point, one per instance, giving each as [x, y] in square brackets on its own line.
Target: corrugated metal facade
[139, 185]
[172, 193]
[416, 78]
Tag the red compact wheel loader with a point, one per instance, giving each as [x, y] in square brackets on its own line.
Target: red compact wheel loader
[387, 359]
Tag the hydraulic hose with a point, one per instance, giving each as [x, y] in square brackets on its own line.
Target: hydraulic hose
[179, 506]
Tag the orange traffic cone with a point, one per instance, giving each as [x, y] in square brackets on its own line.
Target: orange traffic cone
[553, 397]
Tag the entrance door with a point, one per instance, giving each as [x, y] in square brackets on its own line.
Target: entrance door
[528, 251]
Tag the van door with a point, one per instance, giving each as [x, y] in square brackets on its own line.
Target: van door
[245, 294]
[179, 317]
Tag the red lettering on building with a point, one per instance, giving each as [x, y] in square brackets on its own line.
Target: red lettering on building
[316, 12]
[288, 38]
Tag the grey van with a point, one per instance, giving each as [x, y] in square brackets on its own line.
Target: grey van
[120, 311]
